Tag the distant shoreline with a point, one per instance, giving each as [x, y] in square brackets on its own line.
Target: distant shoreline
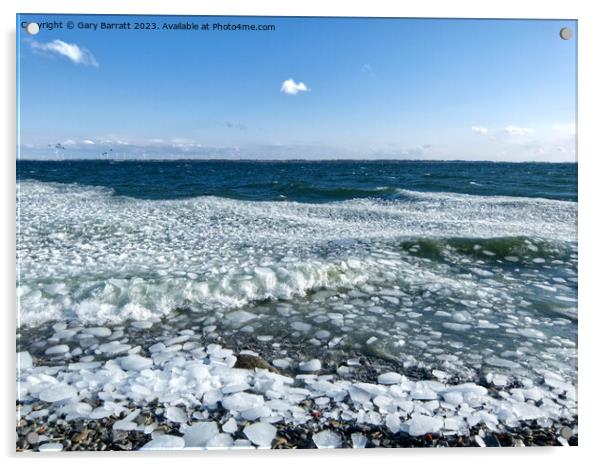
[25, 159]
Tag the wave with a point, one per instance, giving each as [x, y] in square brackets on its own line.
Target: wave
[324, 194]
[518, 249]
[88, 255]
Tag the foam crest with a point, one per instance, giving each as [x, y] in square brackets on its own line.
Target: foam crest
[86, 254]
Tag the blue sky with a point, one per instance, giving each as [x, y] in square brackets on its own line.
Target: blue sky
[313, 88]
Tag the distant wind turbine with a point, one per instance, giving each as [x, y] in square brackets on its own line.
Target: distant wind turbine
[58, 148]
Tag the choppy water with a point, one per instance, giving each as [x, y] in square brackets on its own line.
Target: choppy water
[457, 266]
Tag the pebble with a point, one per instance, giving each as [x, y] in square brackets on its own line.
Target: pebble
[566, 432]
[33, 438]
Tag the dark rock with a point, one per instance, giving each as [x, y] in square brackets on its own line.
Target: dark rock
[22, 444]
[491, 440]
[80, 437]
[247, 361]
[517, 442]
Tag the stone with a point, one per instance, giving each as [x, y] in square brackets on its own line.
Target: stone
[33, 438]
[566, 432]
[248, 361]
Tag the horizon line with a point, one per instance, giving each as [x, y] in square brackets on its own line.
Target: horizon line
[187, 159]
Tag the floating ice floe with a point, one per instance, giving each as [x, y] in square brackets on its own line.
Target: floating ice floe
[260, 433]
[327, 439]
[313, 365]
[358, 440]
[420, 425]
[390, 378]
[199, 433]
[51, 446]
[165, 442]
[175, 414]
[58, 349]
[57, 392]
[24, 360]
[135, 362]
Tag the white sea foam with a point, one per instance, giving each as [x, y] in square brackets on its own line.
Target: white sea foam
[383, 277]
[86, 254]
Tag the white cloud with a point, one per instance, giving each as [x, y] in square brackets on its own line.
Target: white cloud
[88, 141]
[290, 87]
[565, 128]
[511, 129]
[479, 129]
[73, 52]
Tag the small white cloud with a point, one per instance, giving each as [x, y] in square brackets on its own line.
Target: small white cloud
[479, 129]
[88, 141]
[511, 129]
[565, 128]
[73, 52]
[290, 87]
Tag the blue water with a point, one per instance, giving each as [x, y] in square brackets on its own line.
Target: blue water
[312, 182]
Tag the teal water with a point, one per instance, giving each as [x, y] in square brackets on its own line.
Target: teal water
[309, 181]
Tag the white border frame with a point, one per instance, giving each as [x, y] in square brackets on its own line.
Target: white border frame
[589, 104]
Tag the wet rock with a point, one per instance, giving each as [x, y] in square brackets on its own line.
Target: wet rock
[80, 437]
[248, 361]
[491, 440]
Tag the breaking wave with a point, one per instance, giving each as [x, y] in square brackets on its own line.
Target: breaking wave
[88, 255]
